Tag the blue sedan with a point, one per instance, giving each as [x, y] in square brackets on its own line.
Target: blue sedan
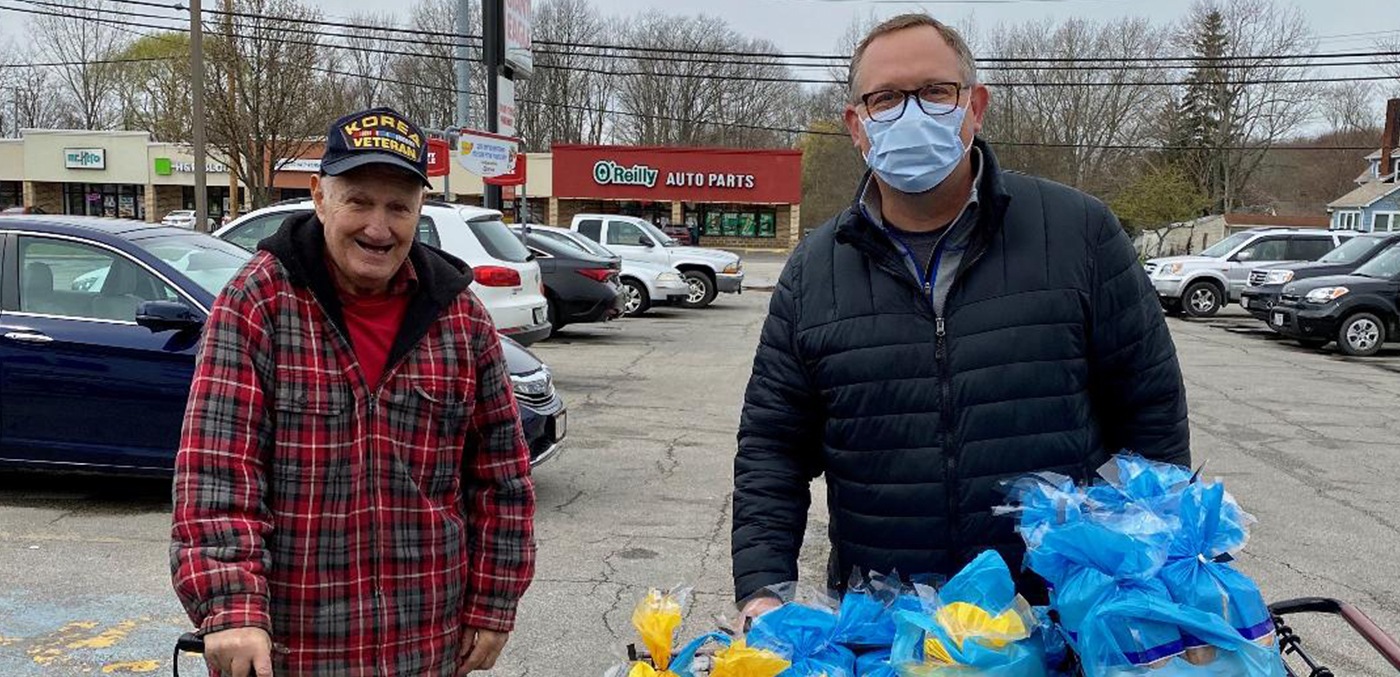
[99, 325]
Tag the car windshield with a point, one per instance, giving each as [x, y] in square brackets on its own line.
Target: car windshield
[1227, 245]
[498, 241]
[1385, 266]
[576, 244]
[656, 234]
[1350, 251]
[209, 262]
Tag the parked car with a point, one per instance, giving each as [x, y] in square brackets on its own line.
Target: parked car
[96, 380]
[1361, 311]
[20, 209]
[184, 218]
[709, 272]
[679, 233]
[507, 277]
[581, 287]
[1266, 284]
[645, 284]
[1201, 285]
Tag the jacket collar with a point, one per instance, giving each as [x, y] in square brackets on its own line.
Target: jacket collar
[300, 246]
[860, 227]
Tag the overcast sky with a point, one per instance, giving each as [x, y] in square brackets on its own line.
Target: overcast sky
[817, 25]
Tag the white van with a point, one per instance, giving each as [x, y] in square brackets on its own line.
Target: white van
[507, 278]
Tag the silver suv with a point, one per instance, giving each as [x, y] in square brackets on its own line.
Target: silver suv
[1200, 285]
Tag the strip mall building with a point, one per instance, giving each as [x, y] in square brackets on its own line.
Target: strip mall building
[727, 197]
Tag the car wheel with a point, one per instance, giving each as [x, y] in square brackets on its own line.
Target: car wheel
[637, 301]
[1201, 299]
[1313, 344]
[702, 289]
[552, 314]
[1361, 335]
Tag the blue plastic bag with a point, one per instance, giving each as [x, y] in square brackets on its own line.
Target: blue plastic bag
[1102, 654]
[985, 588]
[866, 617]
[804, 635]
[1198, 573]
[875, 664]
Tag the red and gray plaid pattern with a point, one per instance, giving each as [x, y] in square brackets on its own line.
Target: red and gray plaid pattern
[364, 527]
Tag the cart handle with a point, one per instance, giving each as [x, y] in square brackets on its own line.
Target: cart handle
[1367, 628]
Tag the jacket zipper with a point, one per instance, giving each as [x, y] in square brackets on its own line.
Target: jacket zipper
[380, 609]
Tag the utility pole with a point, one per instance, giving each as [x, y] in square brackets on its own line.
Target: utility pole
[493, 20]
[201, 185]
[232, 159]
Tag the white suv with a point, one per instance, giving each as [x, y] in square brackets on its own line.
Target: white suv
[507, 277]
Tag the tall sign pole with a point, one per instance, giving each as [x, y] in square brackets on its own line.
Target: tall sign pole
[201, 181]
[493, 17]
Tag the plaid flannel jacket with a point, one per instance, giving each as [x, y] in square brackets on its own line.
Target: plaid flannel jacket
[364, 525]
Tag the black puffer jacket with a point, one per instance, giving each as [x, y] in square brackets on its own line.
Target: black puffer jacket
[1052, 354]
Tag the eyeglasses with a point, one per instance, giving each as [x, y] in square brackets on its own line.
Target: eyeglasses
[888, 105]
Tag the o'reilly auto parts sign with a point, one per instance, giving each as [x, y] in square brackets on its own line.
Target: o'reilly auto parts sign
[85, 158]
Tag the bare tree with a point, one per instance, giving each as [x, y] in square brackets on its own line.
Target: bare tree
[82, 42]
[1349, 107]
[368, 58]
[567, 98]
[269, 99]
[33, 105]
[1390, 66]
[424, 75]
[1071, 128]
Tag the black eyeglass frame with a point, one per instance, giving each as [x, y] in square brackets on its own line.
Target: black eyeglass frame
[908, 94]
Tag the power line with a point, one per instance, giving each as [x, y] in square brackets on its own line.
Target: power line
[95, 62]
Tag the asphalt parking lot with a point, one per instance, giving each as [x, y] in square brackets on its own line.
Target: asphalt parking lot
[1306, 441]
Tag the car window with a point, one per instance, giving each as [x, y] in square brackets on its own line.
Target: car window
[249, 234]
[72, 279]
[1266, 249]
[428, 233]
[498, 241]
[1386, 265]
[624, 233]
[1308, 248]
[1226, 245]
[1351, 249]
[208, 262]
[591, 229]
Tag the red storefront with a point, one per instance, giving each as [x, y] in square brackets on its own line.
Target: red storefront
[728, 197]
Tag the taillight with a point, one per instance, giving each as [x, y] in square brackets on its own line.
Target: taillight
[595, 274]
[496, 276]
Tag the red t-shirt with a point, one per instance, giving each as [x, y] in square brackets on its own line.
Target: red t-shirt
[373, 322]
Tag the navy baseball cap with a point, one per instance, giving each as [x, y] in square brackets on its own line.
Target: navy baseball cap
[375, 136]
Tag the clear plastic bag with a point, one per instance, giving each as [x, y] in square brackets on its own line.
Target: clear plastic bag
[740, 660]
[1102, 653]
[805, 635]
[657, 617]
[865, 619]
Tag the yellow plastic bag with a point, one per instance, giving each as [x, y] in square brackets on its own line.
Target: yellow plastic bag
[738, 660]
[644, 669]
[964, 621]
[657, 617]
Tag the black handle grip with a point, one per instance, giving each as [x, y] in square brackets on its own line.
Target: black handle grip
[190, 643]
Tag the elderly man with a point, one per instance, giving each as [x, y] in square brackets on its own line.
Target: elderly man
[955, 327]
[352, 491]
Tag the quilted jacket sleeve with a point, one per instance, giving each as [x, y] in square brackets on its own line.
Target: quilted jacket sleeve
[498, 492]
[779, 451]
[1135, 379]
[220, 521]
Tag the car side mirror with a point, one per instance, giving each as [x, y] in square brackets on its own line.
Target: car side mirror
[1244, 256]
[160, 316]
[645, 241]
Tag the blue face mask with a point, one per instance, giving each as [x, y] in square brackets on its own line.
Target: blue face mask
[918, 151]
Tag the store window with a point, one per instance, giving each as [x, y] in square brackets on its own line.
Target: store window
[11, 194]
[218, 200]
[112, 200]
[735, 221]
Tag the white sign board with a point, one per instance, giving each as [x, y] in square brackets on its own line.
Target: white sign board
[85, 158]
[518, 44]
[505, 106]
[487, 155]
[299, 165]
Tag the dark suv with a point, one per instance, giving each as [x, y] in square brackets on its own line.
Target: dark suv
[1361, 311]
[1265, 285]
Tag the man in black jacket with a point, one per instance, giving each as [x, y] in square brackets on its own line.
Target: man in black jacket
[956, 327]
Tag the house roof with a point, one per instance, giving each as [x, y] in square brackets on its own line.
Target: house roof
[1365, 195]
[1241, 220]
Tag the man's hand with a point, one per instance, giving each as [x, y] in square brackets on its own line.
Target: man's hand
[480, 649]
[239, 652]
[758, 606]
